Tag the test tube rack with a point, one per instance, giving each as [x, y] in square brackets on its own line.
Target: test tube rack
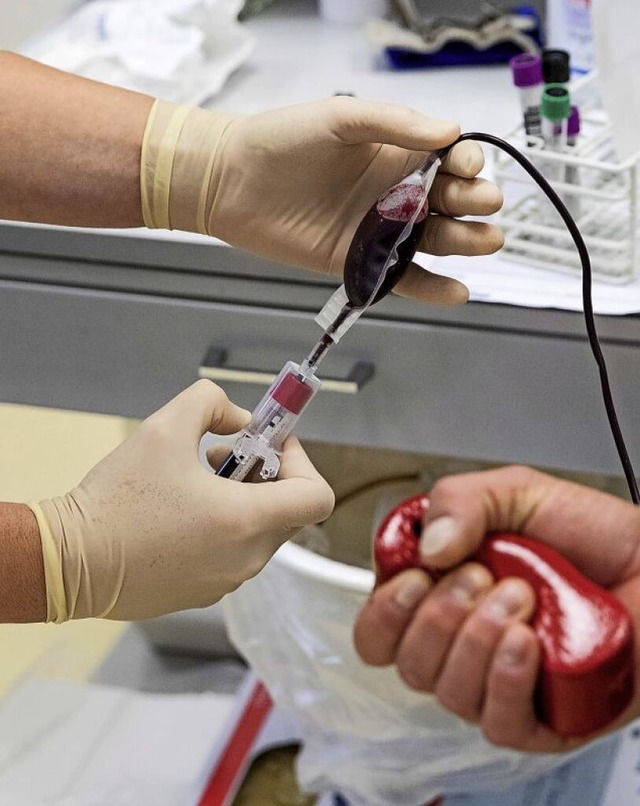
[600, 192]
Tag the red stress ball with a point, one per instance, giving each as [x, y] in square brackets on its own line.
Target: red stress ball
[585, 633]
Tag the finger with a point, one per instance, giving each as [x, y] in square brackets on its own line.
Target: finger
[449, 236]
[464, 508]
[597, 532]
[430, 634]
[386, 614]
[354, 120]
[299, 497]
[453, 196]
[508, 717]
[202, 407]
[465, 159]
[426, 286]
[461, 684]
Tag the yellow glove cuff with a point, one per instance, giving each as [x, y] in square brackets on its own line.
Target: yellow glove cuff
[57, 610]
[179, 150]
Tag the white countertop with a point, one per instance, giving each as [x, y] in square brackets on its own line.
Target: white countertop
[300, 57]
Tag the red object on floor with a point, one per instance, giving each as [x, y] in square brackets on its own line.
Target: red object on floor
[234, 760]
[586, 636]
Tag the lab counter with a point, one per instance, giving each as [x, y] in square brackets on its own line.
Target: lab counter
[118, 324]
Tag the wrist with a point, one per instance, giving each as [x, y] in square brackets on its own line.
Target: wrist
[52, 541]
[178, 166]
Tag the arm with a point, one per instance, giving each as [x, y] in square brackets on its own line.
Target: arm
[289, 184]
[22, 592]
[69, 147]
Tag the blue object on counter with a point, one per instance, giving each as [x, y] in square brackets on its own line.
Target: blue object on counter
[456, 54]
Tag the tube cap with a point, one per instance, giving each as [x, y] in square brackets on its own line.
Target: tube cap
[292, 393]
[555, 66]
[573, 124]
[556, 103]
[526, 70]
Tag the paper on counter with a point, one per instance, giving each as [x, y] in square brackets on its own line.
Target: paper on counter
[497, 280]
[65, 744]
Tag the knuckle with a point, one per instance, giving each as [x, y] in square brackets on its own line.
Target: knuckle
[479, 639]
[494, 238]
[415, 676]
[519, 476]
[445, 486]
[440, 194]
[452, 701]
[155, 428]
[209, 389]
[326, 501]
[435, 235]
[318, 506]
[499, 736]
[439, 617]
[339, 110]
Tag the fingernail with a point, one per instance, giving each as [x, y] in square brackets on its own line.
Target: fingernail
[513, 650]
[412, 590]
[439, 534]
[506, 602]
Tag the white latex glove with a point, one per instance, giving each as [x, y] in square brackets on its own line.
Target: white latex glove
[150, 531]
[293, 184]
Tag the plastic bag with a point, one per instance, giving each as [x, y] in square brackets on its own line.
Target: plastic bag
[365, 733]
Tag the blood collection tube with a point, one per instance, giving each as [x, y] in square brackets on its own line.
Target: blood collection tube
[554, 110]
[273, 419]
[526, 70]
[556, 66]
[572, 172]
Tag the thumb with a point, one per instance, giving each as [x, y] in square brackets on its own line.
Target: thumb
[466, 507]
[299, 497]
[597, 532]
[359, 121]
[202, 407]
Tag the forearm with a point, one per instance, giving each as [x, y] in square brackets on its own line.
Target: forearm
[69, 147]
[22, 585]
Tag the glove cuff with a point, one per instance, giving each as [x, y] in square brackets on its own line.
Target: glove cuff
[57, 610]
[179, 150]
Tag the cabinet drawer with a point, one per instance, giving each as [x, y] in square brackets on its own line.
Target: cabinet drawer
[466, 392]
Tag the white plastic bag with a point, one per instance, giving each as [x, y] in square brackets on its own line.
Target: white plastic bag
[365, 733]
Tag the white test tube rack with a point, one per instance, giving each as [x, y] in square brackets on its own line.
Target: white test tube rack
[600, 191]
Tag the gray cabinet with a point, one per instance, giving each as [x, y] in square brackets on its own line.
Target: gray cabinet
[119, 324]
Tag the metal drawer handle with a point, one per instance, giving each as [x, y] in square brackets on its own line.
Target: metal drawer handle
[214, 368]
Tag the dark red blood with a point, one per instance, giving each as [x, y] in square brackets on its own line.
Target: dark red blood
[401, 201]
[374, 241]
[585, 633]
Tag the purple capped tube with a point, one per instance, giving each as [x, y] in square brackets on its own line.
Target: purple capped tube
[526, 69]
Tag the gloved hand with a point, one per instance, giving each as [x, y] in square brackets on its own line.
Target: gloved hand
[150, 531]
[292, 184]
